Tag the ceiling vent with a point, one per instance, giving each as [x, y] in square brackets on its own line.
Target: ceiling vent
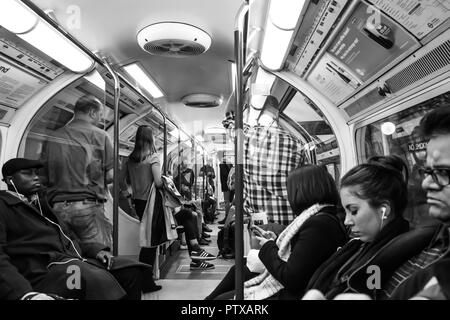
[173, 39]
[202, 100]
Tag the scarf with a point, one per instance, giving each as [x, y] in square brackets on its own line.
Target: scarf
[331, 277]
[265, 285]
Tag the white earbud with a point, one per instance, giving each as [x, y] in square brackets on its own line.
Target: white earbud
[383, 214]
[12, 182]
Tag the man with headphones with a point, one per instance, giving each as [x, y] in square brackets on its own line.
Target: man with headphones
[38, 257]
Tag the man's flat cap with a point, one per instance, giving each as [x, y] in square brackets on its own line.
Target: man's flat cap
[12, 166]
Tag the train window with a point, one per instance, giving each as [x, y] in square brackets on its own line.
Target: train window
[53, 115]
[324, 146]
[399, 134]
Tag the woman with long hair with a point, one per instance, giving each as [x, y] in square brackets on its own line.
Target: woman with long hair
[142, 169]
[290, 259]
[374, 196]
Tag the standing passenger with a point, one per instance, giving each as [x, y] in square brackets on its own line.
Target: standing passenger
[143, 169]
[80, 165]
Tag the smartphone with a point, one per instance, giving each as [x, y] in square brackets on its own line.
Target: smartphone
[257, 231]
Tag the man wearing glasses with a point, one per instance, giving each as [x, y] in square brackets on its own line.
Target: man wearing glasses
[427, 273]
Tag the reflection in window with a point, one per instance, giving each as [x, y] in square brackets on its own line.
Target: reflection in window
[399, 134]
[323, 145]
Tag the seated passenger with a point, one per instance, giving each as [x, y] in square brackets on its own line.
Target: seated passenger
[188, 220]
[374, 196]
[38, 260]
[291, 259]
[427, 249]
[420, 258]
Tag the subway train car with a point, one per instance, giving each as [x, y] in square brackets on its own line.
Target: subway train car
[237, 94]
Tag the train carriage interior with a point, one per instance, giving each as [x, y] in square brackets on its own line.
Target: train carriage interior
[263, 84]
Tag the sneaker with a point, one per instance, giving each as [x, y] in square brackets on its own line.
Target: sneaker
[205, 235]
[203, 242]
[206, 228]
[202, 255]
[201, 265]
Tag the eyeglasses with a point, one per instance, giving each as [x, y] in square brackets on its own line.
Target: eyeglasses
[441, 176]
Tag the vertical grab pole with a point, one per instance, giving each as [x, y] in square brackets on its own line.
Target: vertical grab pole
[116, 159]
[165, 164]
[239, 155]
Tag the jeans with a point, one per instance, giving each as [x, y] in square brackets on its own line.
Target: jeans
[86, 219]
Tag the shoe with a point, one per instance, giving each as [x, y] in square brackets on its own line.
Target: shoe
[207, 240]
[205, 235]
[152, 288]
[201, 265]
[183, 247]
[203, 242]
[205, 228]
[228, 255]
[180, 229]
[202, 255]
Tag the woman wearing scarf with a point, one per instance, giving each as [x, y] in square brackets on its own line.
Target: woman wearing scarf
[291, 259]
[374, 196]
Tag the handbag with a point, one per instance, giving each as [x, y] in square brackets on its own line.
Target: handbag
[158, 224]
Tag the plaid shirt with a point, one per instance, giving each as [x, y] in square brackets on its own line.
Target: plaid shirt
[270, 153]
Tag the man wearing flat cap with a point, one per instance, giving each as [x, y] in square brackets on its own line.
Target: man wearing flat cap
[40, 260]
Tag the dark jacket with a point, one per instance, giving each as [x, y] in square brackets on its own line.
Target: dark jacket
[346, 270]
[317, 239]
[406, 247]
[30, 243]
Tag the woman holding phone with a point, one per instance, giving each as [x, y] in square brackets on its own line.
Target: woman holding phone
[290, 259]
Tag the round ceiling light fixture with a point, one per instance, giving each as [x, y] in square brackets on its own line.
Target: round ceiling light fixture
[173, 39]
[202, 100]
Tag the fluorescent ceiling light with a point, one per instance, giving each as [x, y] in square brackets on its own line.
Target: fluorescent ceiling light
[285, 13]
[263, 83]
[143, 80]
[50, 41]
[183, 136]
[265, 78]
[261, 88]
[275, 46]
[175, 132]
[257, 102]
[215, 130]
[188, 143]
[199, 138]
[233, 75]
[16, 17]
[96, 79]
[19, 19]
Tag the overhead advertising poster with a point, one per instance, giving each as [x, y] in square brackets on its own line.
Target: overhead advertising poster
[419, 17]
[17, 86]
[369, 41]
[333, 79]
